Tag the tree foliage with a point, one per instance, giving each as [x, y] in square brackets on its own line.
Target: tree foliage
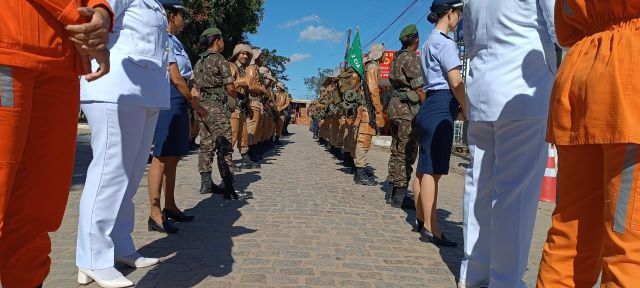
[313, 83]
[276, 63]
[235, 18]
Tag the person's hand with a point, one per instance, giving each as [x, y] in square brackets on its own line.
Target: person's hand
[92, 36]
[102, 58]
[203, 113]
[195, 104]
[380, 120]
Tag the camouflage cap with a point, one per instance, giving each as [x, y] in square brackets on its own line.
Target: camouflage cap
[239, 49]
[213, 31]
[410, 30]
[375, 53]
[280, 85]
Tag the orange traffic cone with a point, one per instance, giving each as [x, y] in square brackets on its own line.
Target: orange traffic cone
[548, 193]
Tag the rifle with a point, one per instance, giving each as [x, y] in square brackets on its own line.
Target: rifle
[368, 103]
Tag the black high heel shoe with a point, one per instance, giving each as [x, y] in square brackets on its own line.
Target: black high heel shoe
[178, 216]
[417, 226]
[428, 237]
[166, 227]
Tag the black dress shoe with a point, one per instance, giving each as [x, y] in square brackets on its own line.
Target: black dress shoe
[166, 227]
[178, 216]
[428, 237]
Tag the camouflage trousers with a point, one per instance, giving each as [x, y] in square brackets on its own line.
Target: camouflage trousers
[215, 139]
[404, 150]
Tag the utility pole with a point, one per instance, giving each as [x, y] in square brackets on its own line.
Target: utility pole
[346, 53]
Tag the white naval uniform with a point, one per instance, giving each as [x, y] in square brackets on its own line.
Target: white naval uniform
[122, 109]
[512, 65]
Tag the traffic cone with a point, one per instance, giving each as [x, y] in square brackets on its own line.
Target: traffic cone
[548, 193]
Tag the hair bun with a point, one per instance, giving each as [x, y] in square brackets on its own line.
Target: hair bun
[433, 17]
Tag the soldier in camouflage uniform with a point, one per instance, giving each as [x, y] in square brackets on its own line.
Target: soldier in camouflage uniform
[407, 81]
[242, 54]
[215, 84]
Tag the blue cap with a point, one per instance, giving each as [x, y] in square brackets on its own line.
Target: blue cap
[175, 4]
[445, 5]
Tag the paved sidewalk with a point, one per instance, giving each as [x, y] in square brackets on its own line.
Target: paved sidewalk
[308, 226]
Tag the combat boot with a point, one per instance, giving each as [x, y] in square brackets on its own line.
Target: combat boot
[230, 192]
[253, 153]
[247, 163]
[361, 178]
[398, 197]
[388, 193]
[347, 160]
[206, 184]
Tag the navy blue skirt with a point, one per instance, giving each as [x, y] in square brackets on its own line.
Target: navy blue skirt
[434, 122]
[172, 131]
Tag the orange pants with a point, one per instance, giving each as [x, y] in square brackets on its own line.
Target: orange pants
[596, 223]
[38, 124]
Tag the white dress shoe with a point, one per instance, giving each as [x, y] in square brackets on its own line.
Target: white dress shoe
[137, 261]
[106, 278]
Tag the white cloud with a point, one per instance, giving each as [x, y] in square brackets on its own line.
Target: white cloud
[319, 33]
[296, 22]
[299, 57]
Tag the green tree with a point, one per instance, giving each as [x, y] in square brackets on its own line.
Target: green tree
[276, 63]
[313, 83]
[235, 18]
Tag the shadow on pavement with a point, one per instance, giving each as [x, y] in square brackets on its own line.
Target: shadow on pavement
[202, 248]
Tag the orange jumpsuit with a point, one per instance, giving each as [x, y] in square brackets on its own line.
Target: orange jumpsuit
[39, 103]
[594, 120]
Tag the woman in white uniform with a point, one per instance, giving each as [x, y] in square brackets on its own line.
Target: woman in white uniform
[122, 109]
[512, 65]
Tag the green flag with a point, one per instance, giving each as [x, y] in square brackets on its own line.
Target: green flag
[355, 55]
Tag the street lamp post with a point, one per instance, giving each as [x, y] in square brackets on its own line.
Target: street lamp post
[331, 27]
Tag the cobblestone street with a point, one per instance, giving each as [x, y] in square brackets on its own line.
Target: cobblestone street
[308, 226]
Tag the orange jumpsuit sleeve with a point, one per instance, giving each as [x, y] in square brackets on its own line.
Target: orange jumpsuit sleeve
[567, 33]
[67, 11]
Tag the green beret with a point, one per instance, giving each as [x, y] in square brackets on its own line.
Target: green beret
[211, 32]
[408, 31]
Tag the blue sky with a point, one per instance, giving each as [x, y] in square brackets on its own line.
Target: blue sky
[289, 27]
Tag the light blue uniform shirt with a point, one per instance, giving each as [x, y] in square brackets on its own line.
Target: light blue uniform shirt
[179, 56]
[439, 56]
[139, 54]
[512, 59]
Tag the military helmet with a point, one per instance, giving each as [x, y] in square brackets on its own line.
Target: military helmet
[239, 49]
[280, 85]
[375, 53]
[266, 73]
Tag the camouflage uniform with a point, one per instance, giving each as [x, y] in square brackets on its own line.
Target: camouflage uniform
[405, 77]
[211, 73]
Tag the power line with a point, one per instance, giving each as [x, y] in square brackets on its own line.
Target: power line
[388, 36]
[393, 22]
